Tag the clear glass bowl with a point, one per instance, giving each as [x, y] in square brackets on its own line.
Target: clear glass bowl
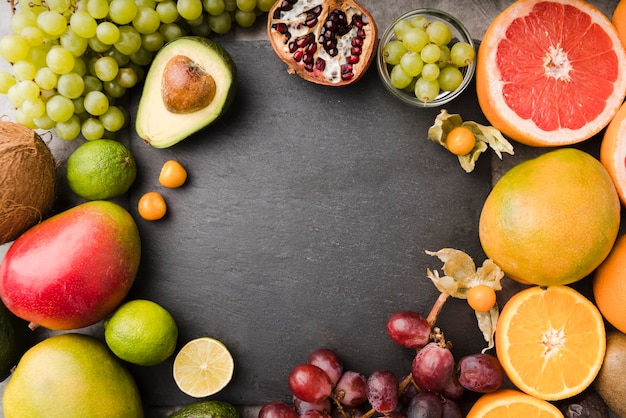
[459, 33]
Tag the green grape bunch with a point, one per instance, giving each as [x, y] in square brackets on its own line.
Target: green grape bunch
[72, 61]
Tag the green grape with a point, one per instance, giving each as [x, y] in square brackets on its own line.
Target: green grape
[92, 83]
[92, 129]
[197, 21]
[59, 108]
[462, 53]
[122, 12]
[79, 105]
[246, 5]
[44, 122]
[96, 103]
[398, 78]
[97, 45]
[214, 7]
[420, 22]
[106, 68]
[439, 33]
[203, 29]
[393, 51]
[127, 77]
[146, 20]
[80, 66]
[23, 18]
[6, 81]
[411, 64]
[107, 33]
[230, 5]
[24, 70]
[60, 60]
[28, 89]
[13, 48]
[142, 57]
[37, 55]
[72, 42]
[450, 78]
[59, 6]
[71, 85]
[220, 24]
[245, 19]
[98, 9]
[120, 58]
[265, 5]
[152, 41]
[14, 97]
[113, 119]
[33, 35]
[51, 22]
[47, 94]
[189, 9]
[113, 89]
[171, 31]
[151, 4]
[415, 39]
[69, 129]
[138, 69]
[426, 90]
[401, 27]
[444, 57]
[83, 24]
[430, 53]
[130, 40]
[46, 79]
[430, 71]
[23, 119]
[34, 108]
[167, 11]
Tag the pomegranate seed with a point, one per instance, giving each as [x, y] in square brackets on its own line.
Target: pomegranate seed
[361, 33]
[280, 28]
[357, 42]
[292, 47]
[355, 50]
[347, 76]
[311, 48]
[316, 10]
[320, 64]
[311, 22]
[307, 58]
[297, 56]
[308, 67]
[352, 59]
[346, 68]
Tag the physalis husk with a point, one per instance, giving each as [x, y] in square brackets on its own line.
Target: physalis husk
[485, 136]
[460, 275]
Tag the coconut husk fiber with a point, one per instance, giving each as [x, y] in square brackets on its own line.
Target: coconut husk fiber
[27, 180]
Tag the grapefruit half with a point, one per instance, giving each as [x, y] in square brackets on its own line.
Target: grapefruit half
[550, 73]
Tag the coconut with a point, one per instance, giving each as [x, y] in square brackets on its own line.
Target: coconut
[27, 180]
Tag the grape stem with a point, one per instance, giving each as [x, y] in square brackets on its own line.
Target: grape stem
[408, 380]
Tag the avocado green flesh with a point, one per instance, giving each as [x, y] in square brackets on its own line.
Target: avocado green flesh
[162, 128]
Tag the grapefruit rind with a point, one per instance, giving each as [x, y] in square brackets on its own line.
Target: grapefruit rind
[613, 152]
[490, 84]
[550, 341]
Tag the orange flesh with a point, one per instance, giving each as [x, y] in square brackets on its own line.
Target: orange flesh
[554, 63]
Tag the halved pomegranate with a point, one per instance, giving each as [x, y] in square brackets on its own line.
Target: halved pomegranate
[329, 42]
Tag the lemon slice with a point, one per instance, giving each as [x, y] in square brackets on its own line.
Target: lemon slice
[203, 367]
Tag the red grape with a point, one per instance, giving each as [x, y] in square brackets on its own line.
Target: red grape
[432, 367]
[277, 409]
[425, 405]
[309, 383]
[314, 413]
[480, 373]
[451, 409]
[301, 406]
[409, 329]
[453, 389]
[328, 361]
[382, 391]
[351, 388]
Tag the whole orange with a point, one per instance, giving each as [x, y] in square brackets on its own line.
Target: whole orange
[609, 286]
[551, 219]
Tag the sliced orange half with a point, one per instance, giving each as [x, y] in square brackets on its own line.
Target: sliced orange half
[203, 367]
[511, 403]
[550, 341]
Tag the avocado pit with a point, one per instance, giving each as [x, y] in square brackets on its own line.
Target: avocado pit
[186, 87]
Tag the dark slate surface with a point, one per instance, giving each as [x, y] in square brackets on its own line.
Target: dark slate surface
[303, 225]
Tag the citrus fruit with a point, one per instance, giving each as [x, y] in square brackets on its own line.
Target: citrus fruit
[141, 332]
[609, 285]
[71, 375]
[619, 20]
[550, 341]
[613, 151]
[550, 73]
[207, 409]
[152, 206]
[551, 219]
[101, 169]
[203, 367]
[13, 340]
[512, 403]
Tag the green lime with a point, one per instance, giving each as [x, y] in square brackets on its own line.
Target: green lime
[101, 169]
[207, 409]
[13, 340]
[141, 332]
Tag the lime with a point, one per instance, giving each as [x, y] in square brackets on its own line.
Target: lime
[13, 340]
[71, 375]
[207, 409]
[141, 332]
[101, 169]
[203, 367]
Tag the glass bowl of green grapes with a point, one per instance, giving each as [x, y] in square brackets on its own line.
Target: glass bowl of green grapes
[426, 58]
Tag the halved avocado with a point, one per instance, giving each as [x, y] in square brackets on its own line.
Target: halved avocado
[168, 113]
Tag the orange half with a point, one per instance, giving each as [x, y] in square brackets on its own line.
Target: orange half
[550, 341]
[511, 403]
